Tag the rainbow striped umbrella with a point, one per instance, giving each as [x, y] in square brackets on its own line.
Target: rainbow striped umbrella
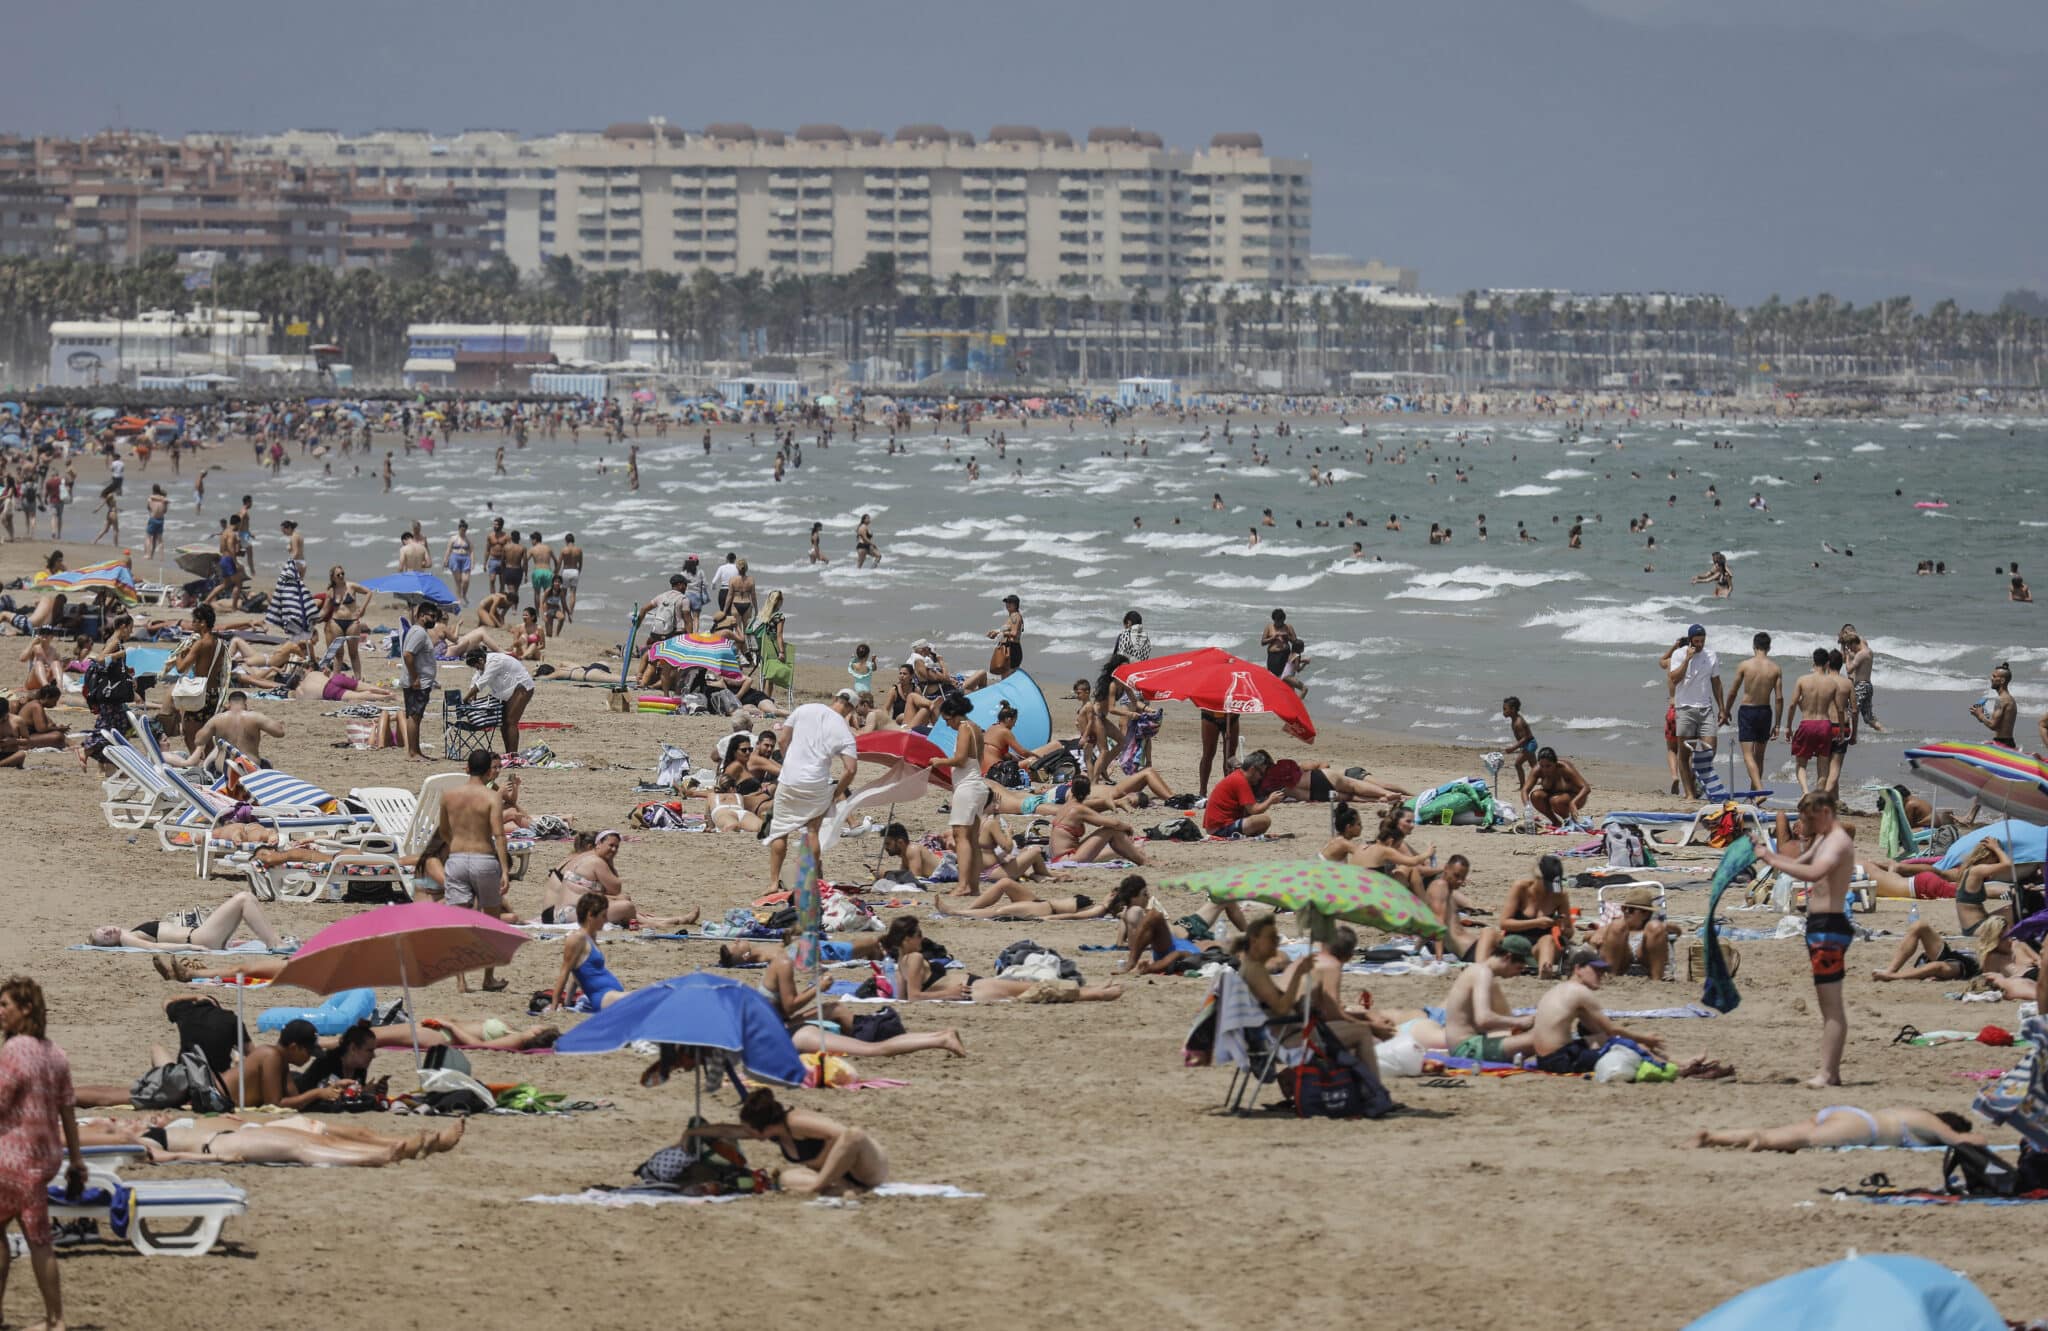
[713, 653]
[2003, 780]
[112, 577]
[1319, 888]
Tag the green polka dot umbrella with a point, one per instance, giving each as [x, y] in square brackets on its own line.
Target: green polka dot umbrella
[1320, 891]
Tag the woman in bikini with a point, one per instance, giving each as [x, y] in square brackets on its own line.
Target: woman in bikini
[297, 1140]
[907, 708]
[1389, 852]
[970, 791]
[347, 603]
[1071, 838]
[529, 640]
[920, 977]
[801, 1005]
[1846, 1125]
[1346, 827]
[595, 871]
[825, 1157]
[726, 811]
[212, 934]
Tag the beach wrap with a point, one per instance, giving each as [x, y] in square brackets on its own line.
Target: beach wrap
[797, 803]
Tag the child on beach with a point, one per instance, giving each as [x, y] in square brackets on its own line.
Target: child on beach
[1525, 739]
[862, 668]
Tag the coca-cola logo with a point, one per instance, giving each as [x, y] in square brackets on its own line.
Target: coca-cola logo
[84, 360]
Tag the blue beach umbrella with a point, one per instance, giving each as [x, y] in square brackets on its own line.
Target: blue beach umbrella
[1892, 1292]
[701, 1011]
[423, 586]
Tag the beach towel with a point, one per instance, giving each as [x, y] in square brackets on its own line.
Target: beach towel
[796, 804]
[654, 1195]
[2019, 1099]
[1720, 992]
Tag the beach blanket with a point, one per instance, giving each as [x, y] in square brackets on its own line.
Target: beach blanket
[243, 948]
[654, 1195]
[2019, 1099]
[1927, 1197]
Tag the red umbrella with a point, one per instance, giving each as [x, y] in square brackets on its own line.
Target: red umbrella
[904, 746]
[1215, 681]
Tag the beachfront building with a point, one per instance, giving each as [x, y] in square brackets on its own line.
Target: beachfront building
[120, 196]
[1341, 270]
[1114, 210]
[1117, 210]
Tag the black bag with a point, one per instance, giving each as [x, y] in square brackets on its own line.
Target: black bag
[1176, 829]
[1006, 773]
[372, 892]
[1972, 1171]
[109, 683]
[783, 919]
[189, 1082]
[877, 1026]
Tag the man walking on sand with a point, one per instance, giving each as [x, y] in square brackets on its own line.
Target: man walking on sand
[1825, 866]
[1857, 659]
[810, 738]
[1694, 674]
[422, 671]
[1759, 687]
[477, 867]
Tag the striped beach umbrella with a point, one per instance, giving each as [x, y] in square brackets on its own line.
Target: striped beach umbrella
[291, 605]
[1322, 889]
[272, 789]
[2003, 780]
[713, 653]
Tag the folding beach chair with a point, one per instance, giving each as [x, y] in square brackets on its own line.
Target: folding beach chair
[469, 727]
[1712, 787]
[1897, 839]
[1255, 1044]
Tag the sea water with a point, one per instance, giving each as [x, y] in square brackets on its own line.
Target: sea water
[1412, 636]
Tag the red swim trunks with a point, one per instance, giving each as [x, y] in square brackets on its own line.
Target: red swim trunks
[1671, 724]
[1931, 886]
[1813, 738]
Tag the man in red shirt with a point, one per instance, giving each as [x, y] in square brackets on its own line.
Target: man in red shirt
[1234, 808]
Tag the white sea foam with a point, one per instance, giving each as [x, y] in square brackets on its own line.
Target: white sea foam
[1474, 582]
[1364, 567]
[1565, 474]
[1867, 447]
[1767, 480]
[1527, 491]
[1285, 582]
[1590, 723]
[1179, 540]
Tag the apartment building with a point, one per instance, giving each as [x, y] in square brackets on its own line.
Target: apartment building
[121, 196]
[1119, 210]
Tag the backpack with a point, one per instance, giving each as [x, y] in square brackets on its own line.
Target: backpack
[1624, 845]
[109, 683]
[1972, 1171]
[1335, 1084]
[187, 1082]
[1176, 829]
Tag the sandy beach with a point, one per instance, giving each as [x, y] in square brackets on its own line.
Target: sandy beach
[1113, 1193]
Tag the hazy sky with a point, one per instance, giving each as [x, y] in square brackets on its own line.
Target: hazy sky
[1863, 147]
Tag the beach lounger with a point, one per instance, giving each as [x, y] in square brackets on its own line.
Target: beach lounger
[1710, 783]
[143, 797]
[141, 1212]
[202, 809]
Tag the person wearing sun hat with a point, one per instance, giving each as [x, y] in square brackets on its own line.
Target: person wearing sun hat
[1635, 938]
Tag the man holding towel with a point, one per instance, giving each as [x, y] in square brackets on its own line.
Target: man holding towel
[810, 738]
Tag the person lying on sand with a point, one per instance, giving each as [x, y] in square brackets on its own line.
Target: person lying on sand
[1923, 954]
[1317, 783]
[212, 934]
[296, 1140]
[1846, 1125]
[1478, 1022]
[918, 977]
[801, 1005]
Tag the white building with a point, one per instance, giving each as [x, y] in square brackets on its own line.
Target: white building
[1118, 210]
[160, 343]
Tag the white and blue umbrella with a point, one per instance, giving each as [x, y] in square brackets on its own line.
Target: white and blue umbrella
[291, 605]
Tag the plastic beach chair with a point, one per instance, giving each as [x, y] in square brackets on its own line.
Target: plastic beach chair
[141, 1212]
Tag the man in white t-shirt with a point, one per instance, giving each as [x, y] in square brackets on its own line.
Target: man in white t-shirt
[810, 739]
[506, 680]
[1695, 675]
[117, 469]
[721, 578]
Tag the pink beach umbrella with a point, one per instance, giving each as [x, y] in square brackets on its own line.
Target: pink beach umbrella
[414, 942]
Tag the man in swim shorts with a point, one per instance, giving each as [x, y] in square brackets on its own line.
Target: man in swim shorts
[1816, 698]
[1570, 1028]
[478, 866]
[1825, 866]
[1759, 684]
[1857, 659]
[1478, 1023]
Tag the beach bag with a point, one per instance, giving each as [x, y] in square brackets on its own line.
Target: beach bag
[672, 767]
[844, 914]
[1973, 1171]
[1175, 829]
[1623, 843]
[187, 1082]
[877, 1026]
[109, 683]
[1335, 1085]
[1006, 773]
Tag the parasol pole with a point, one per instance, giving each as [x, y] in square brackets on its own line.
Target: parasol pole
[241, 1034]
[412, 1019]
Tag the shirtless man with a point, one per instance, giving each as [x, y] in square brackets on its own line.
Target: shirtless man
[919, 860]
[513, 575]
[1857, 659]
[1478, 1023]
[1445, 896]
[413, 556]
[236, 724]
[153, 529]
[477, 868]
[540, 562]
[1825, 865]
[1759, 686]
[569, 572]
[1997, 711]
[1539, 909]
[1525, 739]
[1555, 788]
[1825, 700]
[1570, 1027]
[1009, 640]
